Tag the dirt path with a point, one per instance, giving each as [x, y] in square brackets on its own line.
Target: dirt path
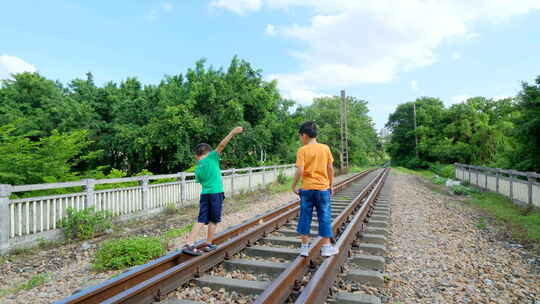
[439, 254]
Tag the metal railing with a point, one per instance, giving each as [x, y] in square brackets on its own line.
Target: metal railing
[25, 220]
[520, 187]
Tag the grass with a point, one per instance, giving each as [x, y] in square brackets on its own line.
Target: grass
[423, 173]
[522, 223]
[35, 281]
[176, 233]
[481, 224]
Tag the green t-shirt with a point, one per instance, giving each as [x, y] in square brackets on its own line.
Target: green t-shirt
[208, 174]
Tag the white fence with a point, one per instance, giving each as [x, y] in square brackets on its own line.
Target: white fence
[520, 187]
[23, 221]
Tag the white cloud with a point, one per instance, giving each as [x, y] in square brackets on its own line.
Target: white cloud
[167, 6]
[458, 99]
[502, 96]
[351, 42]
[13, 65]
[270, 30]
[414, 85]
[456, 55]
[240, 7]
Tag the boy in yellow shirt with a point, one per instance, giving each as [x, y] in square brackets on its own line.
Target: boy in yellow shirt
[314, 165]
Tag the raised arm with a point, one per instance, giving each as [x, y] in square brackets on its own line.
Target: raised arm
[227, 138]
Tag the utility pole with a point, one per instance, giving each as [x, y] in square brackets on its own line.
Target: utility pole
[415, 135]
[344, 157]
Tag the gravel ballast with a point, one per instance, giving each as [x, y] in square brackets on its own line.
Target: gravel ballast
[438, 254]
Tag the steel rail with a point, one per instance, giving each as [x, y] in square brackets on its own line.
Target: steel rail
[317, 289]
[281, 288]
[176, 268]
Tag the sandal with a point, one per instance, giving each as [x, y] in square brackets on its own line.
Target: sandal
[209, 247]
[191, 250]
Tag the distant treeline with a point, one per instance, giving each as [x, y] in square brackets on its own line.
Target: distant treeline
[501, 133]
[54, 132]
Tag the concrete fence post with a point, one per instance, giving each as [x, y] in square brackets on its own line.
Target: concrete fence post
[145, 194]
[511, 185]
[264, 176]
[5, 192]
[486, 179]
[89, 189]
[531, 180]
[183, 194]
[232, 180]
[250, 178]
[497, 179]
[469, 180]
[275, 172]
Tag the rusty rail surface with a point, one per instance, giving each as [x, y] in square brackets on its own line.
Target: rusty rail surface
[282, 287]
[316, 291]
[152, 281]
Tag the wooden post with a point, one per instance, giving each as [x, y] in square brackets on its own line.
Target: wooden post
[89, 189]
[5, 192]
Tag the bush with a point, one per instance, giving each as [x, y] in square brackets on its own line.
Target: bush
[447, 171]
[282, 179]
[439, 180]
[85, 224]
[127, 252]
[462, 190]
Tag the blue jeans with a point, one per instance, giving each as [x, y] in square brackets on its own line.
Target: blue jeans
[320, 199]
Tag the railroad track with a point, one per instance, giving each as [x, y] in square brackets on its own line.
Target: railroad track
[265, 247]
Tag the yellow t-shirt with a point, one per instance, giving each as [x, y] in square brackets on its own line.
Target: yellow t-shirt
[314, 158]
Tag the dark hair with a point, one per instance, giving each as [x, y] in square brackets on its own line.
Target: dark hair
[309, 128]
[202, 149]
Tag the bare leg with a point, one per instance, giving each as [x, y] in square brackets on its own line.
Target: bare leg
[194, 232]
[304, 238]
[325, 241]
[211, 231]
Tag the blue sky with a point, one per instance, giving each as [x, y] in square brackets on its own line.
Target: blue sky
[386, 51]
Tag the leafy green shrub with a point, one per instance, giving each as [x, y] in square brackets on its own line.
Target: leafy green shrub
[439, 180]
[127, 252]
[282, 179]
[447, 171]
[462, 190]
[84, 224]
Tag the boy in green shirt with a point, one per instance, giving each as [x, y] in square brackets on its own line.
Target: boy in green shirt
[208, 174]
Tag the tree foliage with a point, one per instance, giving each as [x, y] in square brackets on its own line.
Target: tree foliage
[500, 133]
[55, 132]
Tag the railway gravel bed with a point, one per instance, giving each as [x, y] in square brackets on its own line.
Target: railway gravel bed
[437, 254]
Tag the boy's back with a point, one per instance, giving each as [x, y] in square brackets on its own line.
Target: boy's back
[315, 159]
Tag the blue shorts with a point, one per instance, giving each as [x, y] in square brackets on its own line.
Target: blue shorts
[320, 199]
[210, 208]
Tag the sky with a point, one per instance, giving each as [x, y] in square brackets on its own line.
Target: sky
[384, 51]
